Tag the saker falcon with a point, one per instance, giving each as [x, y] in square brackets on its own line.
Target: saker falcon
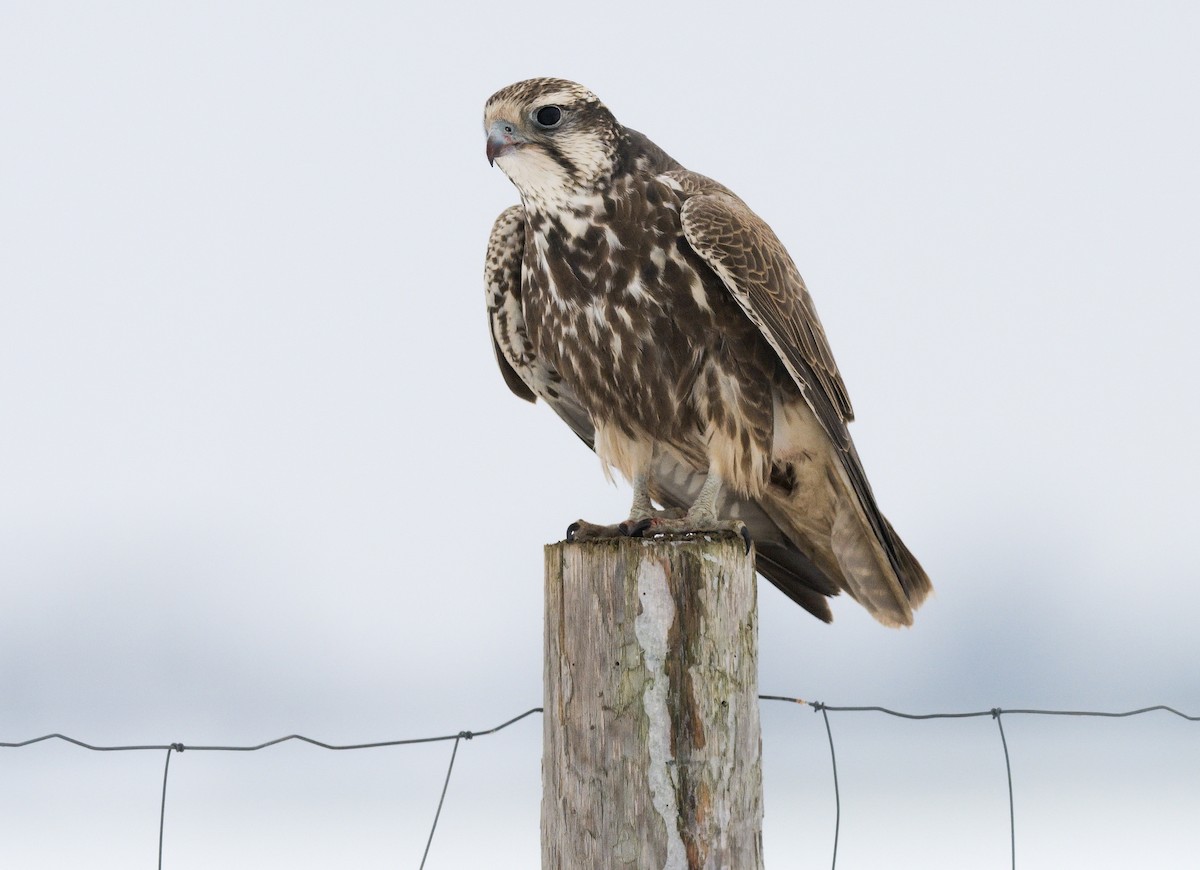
[665, 323]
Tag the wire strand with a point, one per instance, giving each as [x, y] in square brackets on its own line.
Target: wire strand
[162, 808]
[467, 735]
[179, 747]
[441, 800]
[978, 713]
[837, 793]
[1012, 818]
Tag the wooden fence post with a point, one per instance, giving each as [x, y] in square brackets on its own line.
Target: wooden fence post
[652, 746]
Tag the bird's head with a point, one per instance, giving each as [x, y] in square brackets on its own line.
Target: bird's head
[551, 137]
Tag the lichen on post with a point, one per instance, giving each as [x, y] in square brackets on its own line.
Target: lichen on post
[651, 730]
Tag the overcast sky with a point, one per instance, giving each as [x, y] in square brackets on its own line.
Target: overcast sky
[259, 473]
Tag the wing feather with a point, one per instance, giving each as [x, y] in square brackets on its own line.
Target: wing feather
[529, 376]
[502, 281]
[758, 272]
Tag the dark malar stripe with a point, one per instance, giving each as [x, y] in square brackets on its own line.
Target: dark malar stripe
[562, 160]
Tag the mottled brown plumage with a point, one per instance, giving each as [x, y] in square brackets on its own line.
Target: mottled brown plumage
[664, 321]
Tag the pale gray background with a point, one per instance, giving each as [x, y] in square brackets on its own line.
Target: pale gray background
[259, 474]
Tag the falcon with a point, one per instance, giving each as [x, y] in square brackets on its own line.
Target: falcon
[666, 324]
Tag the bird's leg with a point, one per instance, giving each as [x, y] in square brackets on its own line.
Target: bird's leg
[704, 508]
[641, 511]
[641, 507]
[701, 518]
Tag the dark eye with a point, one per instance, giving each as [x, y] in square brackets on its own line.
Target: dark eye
[548, 116]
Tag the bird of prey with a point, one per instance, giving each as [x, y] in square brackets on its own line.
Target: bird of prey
[663, 320]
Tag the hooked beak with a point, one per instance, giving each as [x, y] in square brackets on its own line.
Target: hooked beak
[503, 138]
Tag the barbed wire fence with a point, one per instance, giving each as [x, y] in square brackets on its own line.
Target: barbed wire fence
[996, 713]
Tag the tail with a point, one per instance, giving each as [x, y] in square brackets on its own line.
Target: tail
[913, 579]
[878, 570]
[834, 526]
[815, 541]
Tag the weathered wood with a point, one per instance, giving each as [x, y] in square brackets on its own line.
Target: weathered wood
[652, 747]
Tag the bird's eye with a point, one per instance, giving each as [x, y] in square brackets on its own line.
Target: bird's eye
[548, 116]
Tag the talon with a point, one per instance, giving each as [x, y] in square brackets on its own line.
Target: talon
[636, 528]
[746, 538]
[581, 530]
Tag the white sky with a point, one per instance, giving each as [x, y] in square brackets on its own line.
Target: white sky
[259, 474]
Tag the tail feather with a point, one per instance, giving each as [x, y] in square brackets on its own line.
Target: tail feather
[840, 542]
[913, 579]
[796, 577]
[866, 568]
